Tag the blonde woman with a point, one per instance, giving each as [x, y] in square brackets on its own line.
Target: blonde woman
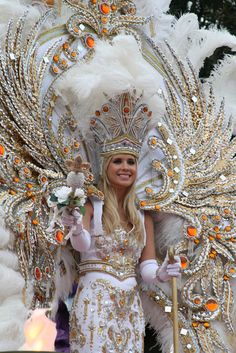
[114, 240]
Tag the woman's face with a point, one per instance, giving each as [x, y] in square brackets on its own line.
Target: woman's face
[122, 170]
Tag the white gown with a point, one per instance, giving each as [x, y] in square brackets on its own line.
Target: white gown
[107, 315]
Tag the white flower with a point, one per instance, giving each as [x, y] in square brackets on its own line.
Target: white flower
[63, 193]
[79, 193]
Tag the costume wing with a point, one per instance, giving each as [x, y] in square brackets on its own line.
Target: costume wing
[37, 135]
[188, 170]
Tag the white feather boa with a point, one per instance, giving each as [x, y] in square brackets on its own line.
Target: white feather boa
[13, 313]
[116, 67]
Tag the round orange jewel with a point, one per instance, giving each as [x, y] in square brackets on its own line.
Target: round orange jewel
[59, 236]
[170, 173]
[227, 211]
[104, 20]
[226, 278]
[142, 203]
[105, 8]
[93, 2]
[232, 270]
[206, 324]
[227, 228]
[73, 54]
[76, 144]
[90, 42]
[217, 218]
[2, 150]
[233, 240]
[17, 160]
[196, 241]
[16, 179]
[29, 185]
[145, 109]
[192, 231]
[55, 70]
[104, 30]
[195, 324]
[56, 58]
[105, 109]
[43, 179]
[148, 190]
[126, 110]
[76, 29]
[211, 237]
[197, 301]
[113, 7]
[218, 236]
[157, 207]
[12, 192]
[29, 193]
[66, 150]
[154, 141]
[204, 217]
[65, 46]
[92, 122]
[212, 256]
[211, 305]
[35, 222]
[184, 262]
[26, 171]
[97, 113]
[216, 229]
[63, 62]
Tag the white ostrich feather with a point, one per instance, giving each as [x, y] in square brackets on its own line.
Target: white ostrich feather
[152, 7]
[9, 259]
[116, 67]
[205, 42]
[223, 79]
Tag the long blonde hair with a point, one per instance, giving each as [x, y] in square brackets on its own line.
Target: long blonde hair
[111, 218]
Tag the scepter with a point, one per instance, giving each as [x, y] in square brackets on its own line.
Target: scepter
[174, 304]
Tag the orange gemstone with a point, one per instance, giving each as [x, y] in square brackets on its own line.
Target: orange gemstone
[26, 171]
[192, 231]
[211, 237]
[217, 218]
[17, 160]
[113, 7]
[232, 270]
[92, 121]
[197, 301]
[29, 186]
[211, 305]
[157, 207]
[212, 256]
[195, 324]
[44, 179]
[142, 203]
[93, 2]
[145, 109]
[105, 8]
[63, 62]
[216, 229]
[196, 241]
[90, 42]
[126, 110]
[12, 192]
[206, 324]
[226, 278]
[29, 193]
[76, 29]
[184, 262]
[22, 236]
[76, 144]
[73, 54]
[148, 190]
[227, 228]
[55, 70]
[66, 150]
[33, 198]
[65, 46]
[56, 58]
[204, 217]
[16, 179]
[218, 236]
[38, 274]
[2, 150]
[154, 141]
[97, 113]
[104, 20]
[105, 109]
[233, 240]
[227, 211]
[170, 173]
[59, 236]
[35, 222]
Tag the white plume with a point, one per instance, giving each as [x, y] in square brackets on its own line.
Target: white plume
[12, 310]
[223, 79]
[116, 67]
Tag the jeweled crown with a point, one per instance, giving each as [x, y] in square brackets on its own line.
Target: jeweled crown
[121, 124]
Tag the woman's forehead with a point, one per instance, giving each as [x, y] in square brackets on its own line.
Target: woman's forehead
[123, 156]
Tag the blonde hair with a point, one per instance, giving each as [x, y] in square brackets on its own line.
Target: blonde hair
[111, 218]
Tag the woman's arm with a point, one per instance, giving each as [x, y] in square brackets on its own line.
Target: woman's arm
[149, 251]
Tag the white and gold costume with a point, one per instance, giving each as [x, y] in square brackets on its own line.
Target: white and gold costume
[56, 82]
[107, 314]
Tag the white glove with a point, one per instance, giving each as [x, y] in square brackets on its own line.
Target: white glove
[167, 270]
[148, 270]
[80, 238]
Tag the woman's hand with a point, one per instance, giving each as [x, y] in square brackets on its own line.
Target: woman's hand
[70, 219]
[168, 270]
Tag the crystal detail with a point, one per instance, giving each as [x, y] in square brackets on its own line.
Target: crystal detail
[82, 27]
[194, 99]
[45, 59]
[169, 141]
[171, 190]
[189, 346]
[223, 177]
[183, 332]
[176, 169]
[12, 56]
[159, 91]
[192, 151]
[185, 193]
[168, 309]
[174, 156]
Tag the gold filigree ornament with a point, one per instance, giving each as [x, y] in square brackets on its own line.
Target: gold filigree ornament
[194, 178]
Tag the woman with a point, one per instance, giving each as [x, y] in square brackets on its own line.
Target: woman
[113, 239]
